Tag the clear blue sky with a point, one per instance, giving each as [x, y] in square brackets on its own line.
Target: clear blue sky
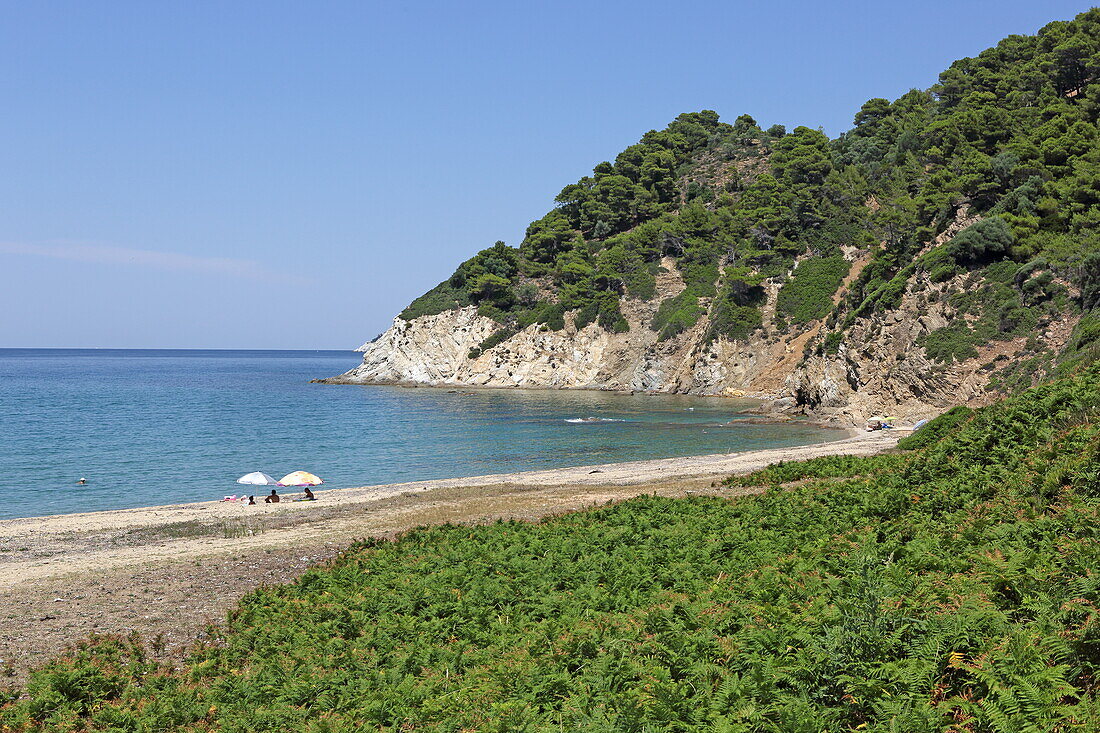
[290, 175]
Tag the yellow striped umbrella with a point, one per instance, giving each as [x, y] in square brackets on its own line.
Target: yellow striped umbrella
[300, 478]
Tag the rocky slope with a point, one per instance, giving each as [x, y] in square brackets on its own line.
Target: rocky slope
[945, 250]
[887, 373]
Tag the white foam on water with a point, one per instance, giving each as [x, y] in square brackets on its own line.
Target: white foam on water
[592, 419]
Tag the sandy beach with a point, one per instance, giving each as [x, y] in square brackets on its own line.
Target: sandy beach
[166, 572]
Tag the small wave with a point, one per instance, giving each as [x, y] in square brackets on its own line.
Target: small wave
[592, 419]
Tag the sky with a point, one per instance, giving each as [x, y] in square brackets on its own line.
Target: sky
[289, 175]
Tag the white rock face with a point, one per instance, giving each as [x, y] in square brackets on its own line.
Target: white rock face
[427, 350]
[435, 350]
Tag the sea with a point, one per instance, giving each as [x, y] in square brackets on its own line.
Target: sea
[155, 427]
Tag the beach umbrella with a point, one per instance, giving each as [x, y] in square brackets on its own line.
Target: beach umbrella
[257, 478]
[300, 478]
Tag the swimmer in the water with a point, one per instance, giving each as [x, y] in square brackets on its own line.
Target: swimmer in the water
[82, 482]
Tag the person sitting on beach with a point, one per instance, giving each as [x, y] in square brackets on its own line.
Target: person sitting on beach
[252, 501]
[272, 498]
[309, 496]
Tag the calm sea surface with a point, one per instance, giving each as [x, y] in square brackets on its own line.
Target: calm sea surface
[162, 427]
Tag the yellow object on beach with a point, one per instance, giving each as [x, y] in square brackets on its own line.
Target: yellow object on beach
[300, 478]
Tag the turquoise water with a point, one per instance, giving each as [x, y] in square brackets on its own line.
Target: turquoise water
[162, 427]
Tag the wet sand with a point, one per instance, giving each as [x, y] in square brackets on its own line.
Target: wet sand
[166, 572]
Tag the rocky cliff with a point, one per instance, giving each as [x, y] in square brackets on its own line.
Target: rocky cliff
[879, 368]
[944, 250]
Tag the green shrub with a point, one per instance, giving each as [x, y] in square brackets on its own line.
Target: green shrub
[733, 322]
[642, 283]
[1089, 282]
[604, 309]
[491, 310]
[676, 314]
[881, 295]
[443, 297]
[735, 313]
[949, 343]
[807, 296]
[1083, 348]
[825, 467]
[934, 430]
[611, 319]
[496, 337]
[552, 315]
[586, 315]
[1021, 373]
[943, 273]
[1086, 332]
[985, 240]
[939, 264]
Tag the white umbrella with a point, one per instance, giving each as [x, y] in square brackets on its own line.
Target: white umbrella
[257, 478]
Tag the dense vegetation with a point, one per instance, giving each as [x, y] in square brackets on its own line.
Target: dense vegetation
[955, 587]
[951, 586]
[806, 296]
[1008, 139]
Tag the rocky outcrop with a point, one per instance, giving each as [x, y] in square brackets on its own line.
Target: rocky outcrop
[878, 368]
[436, 350]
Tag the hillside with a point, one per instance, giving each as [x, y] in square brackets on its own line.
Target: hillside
[953, 587]
[945, 249]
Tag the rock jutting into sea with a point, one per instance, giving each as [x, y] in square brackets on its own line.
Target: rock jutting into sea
[908, 265]
[888, 372]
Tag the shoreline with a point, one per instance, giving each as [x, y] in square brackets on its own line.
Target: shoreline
[166, 572]
[707, 463]
[760, 412]
[485, 479]
[339, 381]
